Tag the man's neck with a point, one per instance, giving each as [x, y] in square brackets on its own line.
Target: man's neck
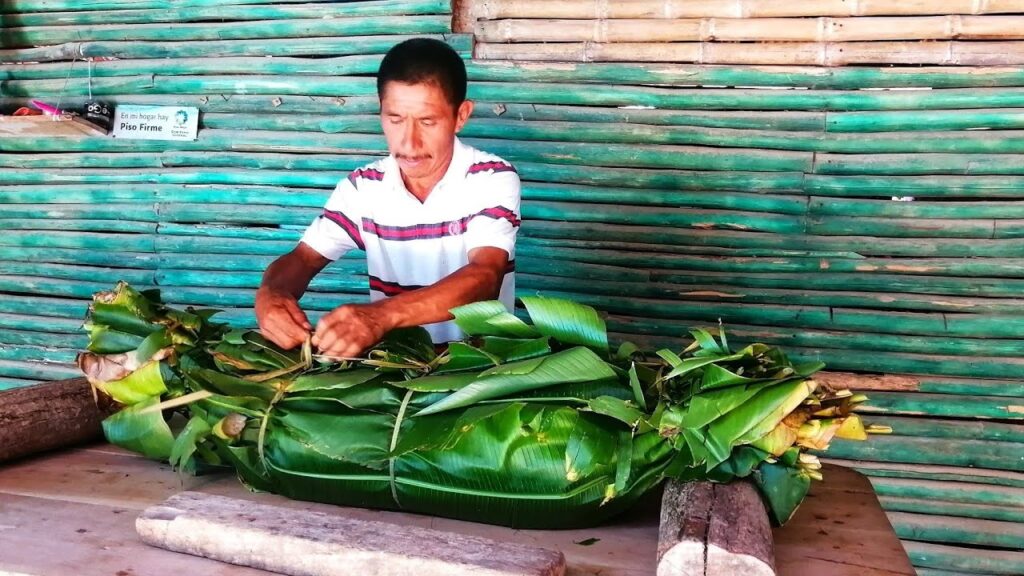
[422, 187]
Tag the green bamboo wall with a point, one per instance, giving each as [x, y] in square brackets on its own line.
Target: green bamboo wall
[667, 196]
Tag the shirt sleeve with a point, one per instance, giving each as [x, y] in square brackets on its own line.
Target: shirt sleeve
[337, 229]
[497, 223]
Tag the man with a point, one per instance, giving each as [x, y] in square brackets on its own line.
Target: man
[437, 219]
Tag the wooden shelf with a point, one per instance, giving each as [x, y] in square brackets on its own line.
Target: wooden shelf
[64, 125]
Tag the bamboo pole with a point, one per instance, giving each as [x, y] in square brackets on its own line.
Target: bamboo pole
[980, 53]
[964, 429]
[179, 13]
[733, 75]
[537, 93]
[20, 6]
[949, 27]
[926, 506]
[329, 45]
[787, 337]
[958, 452]
[352, 26]
[919, 164]
[970, 560]
[940, 405]
[932, 471]
[954, 530]
[930, 120]
[671, 9]
[38, 371]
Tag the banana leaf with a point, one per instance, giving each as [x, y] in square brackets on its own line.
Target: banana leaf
[526, 424]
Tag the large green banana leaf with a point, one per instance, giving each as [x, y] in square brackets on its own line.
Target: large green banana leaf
[533, 425]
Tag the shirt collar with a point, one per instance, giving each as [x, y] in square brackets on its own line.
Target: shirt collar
[462, 156]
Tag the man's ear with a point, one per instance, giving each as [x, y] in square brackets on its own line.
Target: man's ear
[463, 113]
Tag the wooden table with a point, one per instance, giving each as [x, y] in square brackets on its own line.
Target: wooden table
[73, 512]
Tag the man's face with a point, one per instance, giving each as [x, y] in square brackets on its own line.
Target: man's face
[420, 126]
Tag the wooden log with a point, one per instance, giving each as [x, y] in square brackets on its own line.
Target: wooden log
[713, 529]
[329, 45]
[46, 417]
[979, 53]
[962, 559]
[315, 543]
[671, 9]
[899, 382]
[822, 29]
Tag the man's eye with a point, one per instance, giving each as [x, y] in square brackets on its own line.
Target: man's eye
[428, 122]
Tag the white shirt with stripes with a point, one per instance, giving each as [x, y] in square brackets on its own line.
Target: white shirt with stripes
[410, 244]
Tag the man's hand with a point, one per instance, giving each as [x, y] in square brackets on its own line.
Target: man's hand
[349, 330]
[280, 318]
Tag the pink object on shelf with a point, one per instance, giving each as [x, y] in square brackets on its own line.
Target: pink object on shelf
[46, 108]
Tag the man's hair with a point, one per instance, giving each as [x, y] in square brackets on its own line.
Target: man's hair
[421, 61]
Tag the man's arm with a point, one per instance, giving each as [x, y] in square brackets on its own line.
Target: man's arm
[277, 300]
[350, 329]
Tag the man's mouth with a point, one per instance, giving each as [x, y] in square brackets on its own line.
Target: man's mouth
[412, 160]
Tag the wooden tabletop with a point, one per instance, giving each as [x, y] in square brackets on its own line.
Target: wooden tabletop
[841, 530]
[73, 512]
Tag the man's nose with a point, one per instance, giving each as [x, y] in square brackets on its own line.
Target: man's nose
[411, 137]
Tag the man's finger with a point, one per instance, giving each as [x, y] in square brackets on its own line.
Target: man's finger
[298, 316]
[284, 333]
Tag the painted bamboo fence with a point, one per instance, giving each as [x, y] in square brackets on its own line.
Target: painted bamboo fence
[868, 217]
[752, 32]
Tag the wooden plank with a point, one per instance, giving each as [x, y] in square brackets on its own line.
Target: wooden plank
[48, 126]
[839, 529]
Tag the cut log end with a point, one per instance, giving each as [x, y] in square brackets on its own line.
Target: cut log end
[712, 529]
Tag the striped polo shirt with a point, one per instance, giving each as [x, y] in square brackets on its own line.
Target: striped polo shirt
[410, 244]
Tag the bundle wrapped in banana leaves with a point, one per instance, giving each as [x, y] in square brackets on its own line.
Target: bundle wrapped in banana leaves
[533, 424]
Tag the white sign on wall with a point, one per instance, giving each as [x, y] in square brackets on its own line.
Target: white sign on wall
[156, 122]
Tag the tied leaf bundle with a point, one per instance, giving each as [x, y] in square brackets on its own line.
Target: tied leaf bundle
[527, 424]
